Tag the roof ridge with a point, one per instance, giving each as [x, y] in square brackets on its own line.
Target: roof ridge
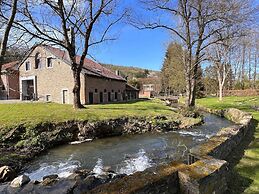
[108, 74]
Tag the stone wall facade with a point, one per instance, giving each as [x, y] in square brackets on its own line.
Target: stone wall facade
[104, 91]
[56, 83]
[48, 82]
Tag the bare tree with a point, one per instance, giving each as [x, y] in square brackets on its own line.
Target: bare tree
[6, 25]
[72, 25]
[199, 21]
[256, 54]
[244, 59]
[219, 55]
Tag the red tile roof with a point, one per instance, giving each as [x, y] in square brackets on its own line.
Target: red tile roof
[10, 66]
[131, 88]
[91, 67]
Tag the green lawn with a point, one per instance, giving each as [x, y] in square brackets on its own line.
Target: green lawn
[248, 166]
[33, 113]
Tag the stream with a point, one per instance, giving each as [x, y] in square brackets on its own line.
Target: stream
[124, 154]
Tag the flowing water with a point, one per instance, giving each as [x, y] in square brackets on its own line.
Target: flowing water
[124, 154]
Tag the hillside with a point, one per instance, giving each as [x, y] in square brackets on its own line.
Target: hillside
[132, 72]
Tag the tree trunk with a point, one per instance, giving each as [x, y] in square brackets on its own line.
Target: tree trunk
[190, 92]
[1, 63]
[9, 24]
[220, 92]
[76, 90]
[249, 66]
[243, 66]
[255, 70]
[193, 93]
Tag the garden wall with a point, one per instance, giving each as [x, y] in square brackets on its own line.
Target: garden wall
[205, 173]
[247, 92]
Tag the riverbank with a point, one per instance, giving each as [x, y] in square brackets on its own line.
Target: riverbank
[207, 169]
[43, 126]
[246, 172]
[123, 155]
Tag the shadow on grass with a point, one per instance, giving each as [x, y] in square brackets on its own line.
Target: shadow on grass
[122, 102]
[132, 108]
[236, 182]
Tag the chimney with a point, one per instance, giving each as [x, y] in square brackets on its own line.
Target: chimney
[117, 72]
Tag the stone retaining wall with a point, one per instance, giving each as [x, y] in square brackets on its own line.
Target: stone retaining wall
[205, 174]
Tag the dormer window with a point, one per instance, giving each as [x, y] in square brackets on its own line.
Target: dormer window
[27, 66]
[49, 62]
[37, 61]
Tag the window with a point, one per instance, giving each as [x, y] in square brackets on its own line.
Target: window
[116, 95]
[119, 91]
[49, 62]
[105, 90]
[112, 91]
[37, 61]
[96, 90]
[27, 66]
[48, 98]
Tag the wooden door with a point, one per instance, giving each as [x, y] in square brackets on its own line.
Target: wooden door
[101, 97]
[91, 98]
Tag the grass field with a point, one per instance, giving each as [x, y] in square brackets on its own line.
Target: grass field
[248, 167]
[32, 113]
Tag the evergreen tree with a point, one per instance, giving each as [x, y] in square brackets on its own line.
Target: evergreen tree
[172, 72]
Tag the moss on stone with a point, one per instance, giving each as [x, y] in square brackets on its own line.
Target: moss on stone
[140, 180]
[207, 147]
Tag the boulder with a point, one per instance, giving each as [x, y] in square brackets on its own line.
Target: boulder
[20, 181]
[79, 174]
[83, 172]
[53, 176]
[6, 174]
[119, 176]
[49, 180]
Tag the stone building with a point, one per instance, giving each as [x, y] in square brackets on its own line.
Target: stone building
[46, 75]
[149, 87]
[9, 79]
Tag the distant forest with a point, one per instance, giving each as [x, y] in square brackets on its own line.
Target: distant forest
[132, 72]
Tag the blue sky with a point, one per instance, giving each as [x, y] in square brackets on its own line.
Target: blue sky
[133, 47]
[140, 48]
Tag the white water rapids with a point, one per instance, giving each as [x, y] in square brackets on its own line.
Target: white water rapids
[135, 163]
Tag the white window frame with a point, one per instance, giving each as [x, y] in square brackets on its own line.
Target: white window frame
[68, 101]
[46, 97]
[51, 62]
[34, 78]
[26, 66]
